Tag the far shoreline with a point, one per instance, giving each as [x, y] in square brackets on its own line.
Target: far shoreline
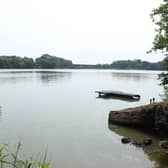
[47, 61]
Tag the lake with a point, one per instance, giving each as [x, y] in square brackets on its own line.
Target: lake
[58, 110]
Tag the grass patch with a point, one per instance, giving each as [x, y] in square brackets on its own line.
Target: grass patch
[12, 160]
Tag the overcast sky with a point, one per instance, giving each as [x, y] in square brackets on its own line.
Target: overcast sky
[85, 31]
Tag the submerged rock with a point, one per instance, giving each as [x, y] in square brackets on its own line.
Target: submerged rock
[147, 141]
[125, 140]
[137, 142]
[143, 142]
[164, 144]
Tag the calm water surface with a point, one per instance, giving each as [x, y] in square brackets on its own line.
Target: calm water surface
[58, 109]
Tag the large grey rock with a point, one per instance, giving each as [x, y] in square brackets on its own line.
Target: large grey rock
[152, 116]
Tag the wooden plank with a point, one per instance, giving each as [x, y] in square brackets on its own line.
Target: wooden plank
[106, 93]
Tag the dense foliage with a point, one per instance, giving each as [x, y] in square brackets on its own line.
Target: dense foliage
[136, 64]
[45, 61]
[48, 61]
[160, 18]
[16, 62]
[133, 64]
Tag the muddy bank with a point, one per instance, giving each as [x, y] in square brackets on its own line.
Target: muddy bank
[153, 117]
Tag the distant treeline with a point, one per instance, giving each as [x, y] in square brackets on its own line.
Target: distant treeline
[47, 61]
[126, 64]
[133, 64]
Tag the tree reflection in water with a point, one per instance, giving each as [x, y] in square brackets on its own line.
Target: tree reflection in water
[51, 76]
[45, 76]
[153, 152]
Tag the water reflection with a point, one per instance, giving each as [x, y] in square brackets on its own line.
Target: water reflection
[153, 152]
[5, 79]
[15, 71]
[46, 76]
[0, 113]
[29, 76]
[38, 100]
[132, 76]
[118, 98]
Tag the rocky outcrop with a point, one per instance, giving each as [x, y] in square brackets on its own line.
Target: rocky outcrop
[153, 116]
[164, 145]
[138, 143]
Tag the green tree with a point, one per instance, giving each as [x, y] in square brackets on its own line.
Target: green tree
[16, 62]
[160, 18]
[48, 61]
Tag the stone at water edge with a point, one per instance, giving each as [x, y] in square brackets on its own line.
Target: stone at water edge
[147, 141]
[139, 142]
[125, 140]
[164, 144]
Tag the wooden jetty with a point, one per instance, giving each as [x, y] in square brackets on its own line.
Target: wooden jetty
[108, 93]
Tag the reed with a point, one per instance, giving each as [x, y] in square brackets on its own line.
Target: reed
[12, 160]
